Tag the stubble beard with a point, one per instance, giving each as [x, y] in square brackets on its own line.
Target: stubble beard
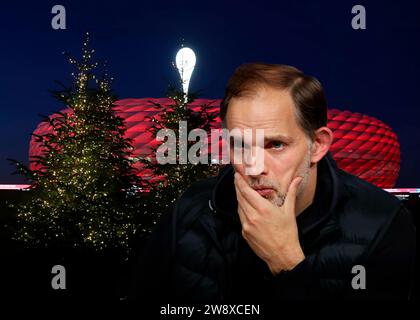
[303, 171]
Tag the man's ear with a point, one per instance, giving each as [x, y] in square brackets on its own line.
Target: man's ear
[322, 141]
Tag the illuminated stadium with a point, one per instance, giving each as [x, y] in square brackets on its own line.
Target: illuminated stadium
[363, 146]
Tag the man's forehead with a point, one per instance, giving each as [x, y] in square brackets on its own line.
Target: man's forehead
[263, 109]
[266, 134]
[275, 116]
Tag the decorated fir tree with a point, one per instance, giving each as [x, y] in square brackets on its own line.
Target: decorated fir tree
[170, 180]
[83, 194]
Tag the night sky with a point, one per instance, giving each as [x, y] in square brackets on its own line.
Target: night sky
[373, 71]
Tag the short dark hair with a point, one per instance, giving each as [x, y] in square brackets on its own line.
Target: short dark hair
[306, 91]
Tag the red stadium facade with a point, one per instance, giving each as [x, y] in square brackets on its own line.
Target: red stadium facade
[363, 146]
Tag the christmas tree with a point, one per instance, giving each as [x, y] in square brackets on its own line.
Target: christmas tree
[84, 192]
[170, 180]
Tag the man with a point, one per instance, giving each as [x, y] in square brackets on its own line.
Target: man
[298, 229]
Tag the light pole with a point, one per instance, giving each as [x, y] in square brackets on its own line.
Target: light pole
[185, 63]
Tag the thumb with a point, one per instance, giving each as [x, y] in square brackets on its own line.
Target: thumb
[290, 200]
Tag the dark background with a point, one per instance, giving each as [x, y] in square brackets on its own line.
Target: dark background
[372, 71]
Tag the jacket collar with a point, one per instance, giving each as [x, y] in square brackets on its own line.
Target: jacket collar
[328, 192]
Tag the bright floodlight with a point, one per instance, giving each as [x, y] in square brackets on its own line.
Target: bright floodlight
[185, 62]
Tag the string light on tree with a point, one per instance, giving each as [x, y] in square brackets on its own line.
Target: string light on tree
[81, 193]
[171, 180]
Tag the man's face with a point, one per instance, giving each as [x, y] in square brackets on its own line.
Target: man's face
[287, 150]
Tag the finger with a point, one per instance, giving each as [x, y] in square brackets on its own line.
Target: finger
[250, 195]
[247, 209]
[244, 223]
[242, 200]
[242, 215]
[241, 190]
[290, 200]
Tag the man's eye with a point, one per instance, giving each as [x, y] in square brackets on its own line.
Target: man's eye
[277, 145]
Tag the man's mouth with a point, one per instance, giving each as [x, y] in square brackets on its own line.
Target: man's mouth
[264, 191]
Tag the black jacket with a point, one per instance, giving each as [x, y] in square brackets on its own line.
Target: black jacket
[197, 252]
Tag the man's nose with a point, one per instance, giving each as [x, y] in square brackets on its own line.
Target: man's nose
[254, 163]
